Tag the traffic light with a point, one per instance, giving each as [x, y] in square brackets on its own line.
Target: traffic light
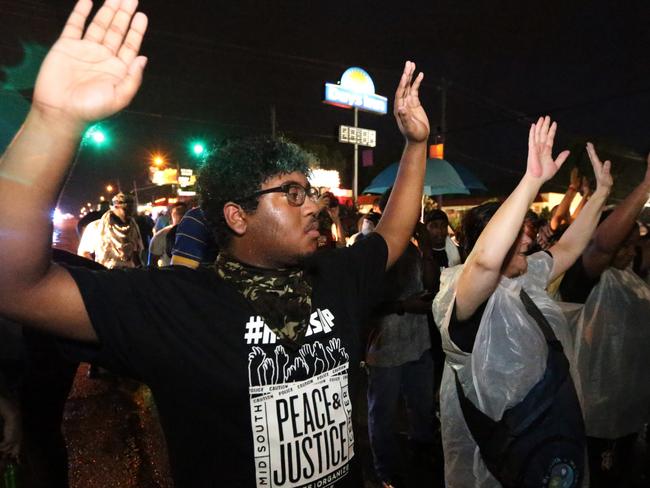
[95, 135]
[198, 148]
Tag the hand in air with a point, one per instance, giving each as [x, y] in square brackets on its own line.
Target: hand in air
[411, 118]
[575, 179]
[541, 164]
[92, 73]
[602, 171]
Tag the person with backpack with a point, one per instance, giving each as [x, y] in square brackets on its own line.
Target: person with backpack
[510, 411]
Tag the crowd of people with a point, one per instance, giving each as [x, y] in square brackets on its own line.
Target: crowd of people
[518, 344]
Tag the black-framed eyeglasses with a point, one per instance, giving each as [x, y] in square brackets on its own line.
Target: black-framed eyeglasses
[295, 193]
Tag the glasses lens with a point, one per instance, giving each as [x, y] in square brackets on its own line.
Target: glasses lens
[313, 193]
[295, 194]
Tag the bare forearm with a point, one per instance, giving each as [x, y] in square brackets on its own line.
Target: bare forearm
[32, 171]
[500, 233]
[403, 208]
[577, 236]
[613, 231]
[562, 212]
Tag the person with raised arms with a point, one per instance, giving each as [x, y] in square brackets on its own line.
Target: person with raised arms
[510, 411]
[251, 361]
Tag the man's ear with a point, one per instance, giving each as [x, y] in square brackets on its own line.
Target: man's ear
[236, 218]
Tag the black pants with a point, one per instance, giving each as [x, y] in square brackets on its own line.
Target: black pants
[610, 461]
[46, 386]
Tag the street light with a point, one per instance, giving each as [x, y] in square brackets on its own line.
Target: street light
[158, 160]
[109, 188]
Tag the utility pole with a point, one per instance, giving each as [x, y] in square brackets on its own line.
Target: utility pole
[355, 194]
[443, 106]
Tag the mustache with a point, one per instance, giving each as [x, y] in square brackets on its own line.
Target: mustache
[313, 225]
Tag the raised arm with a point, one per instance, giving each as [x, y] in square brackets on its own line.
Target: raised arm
[88, 74]
[483, 267]
[585, 190]
[577, 236]
[562, 212]
[403, 208]
[613, 231]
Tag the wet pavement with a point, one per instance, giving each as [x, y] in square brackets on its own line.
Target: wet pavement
[113, 435]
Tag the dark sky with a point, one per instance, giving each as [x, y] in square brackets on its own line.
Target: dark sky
[215, 68]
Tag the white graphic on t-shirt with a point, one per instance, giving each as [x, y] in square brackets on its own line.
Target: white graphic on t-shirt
[257, 332]
[320, 321]
[301, 415]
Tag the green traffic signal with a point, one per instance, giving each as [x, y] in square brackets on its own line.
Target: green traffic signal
[198, 148]
[98, 137]
[95, 135]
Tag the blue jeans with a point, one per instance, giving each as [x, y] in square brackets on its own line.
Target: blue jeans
[415, 381]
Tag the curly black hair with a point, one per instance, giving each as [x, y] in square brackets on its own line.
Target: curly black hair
[238, 169]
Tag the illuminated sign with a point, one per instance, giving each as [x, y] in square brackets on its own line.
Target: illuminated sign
[187, 178]
[167, 176]
[357, 135]
[328, 178]
[355, 89]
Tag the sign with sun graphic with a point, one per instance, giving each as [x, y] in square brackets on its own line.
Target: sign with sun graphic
[355, 89]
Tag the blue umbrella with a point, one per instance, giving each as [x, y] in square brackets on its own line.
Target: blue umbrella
[441, 178]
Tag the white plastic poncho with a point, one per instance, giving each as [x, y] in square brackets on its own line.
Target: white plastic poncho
[508, 359]
[613, 354]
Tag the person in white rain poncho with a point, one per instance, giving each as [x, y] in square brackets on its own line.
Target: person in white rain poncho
[612, 338]
[499, 330]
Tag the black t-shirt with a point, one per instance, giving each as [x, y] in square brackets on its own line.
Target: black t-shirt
[441, 258]
[199, 345]
[576, 284]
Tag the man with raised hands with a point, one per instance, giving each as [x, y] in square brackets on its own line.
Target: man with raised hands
[249, 361]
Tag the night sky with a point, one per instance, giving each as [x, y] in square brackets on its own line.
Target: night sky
[216, 68]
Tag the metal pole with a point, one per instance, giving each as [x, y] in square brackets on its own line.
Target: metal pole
[356, 158]
[135, 193]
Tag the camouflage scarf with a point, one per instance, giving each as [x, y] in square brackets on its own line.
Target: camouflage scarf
[281, 296]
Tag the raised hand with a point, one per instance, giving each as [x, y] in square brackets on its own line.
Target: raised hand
[319, 352]
[411, 118]
[541, 164]
[255, 360]
[602, 171]
[337, 353]
[298, 371]
[308, 355]
[574, 179]
[282, 360]
[92, 74]
[268, 371]
[585, 187]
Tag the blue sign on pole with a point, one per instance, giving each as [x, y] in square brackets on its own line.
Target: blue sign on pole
[355, 89]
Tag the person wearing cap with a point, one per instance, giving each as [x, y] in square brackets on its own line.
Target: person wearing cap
[114, 240]
[445, 251]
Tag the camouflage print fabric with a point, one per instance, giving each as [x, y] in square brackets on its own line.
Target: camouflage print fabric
[281, 296]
